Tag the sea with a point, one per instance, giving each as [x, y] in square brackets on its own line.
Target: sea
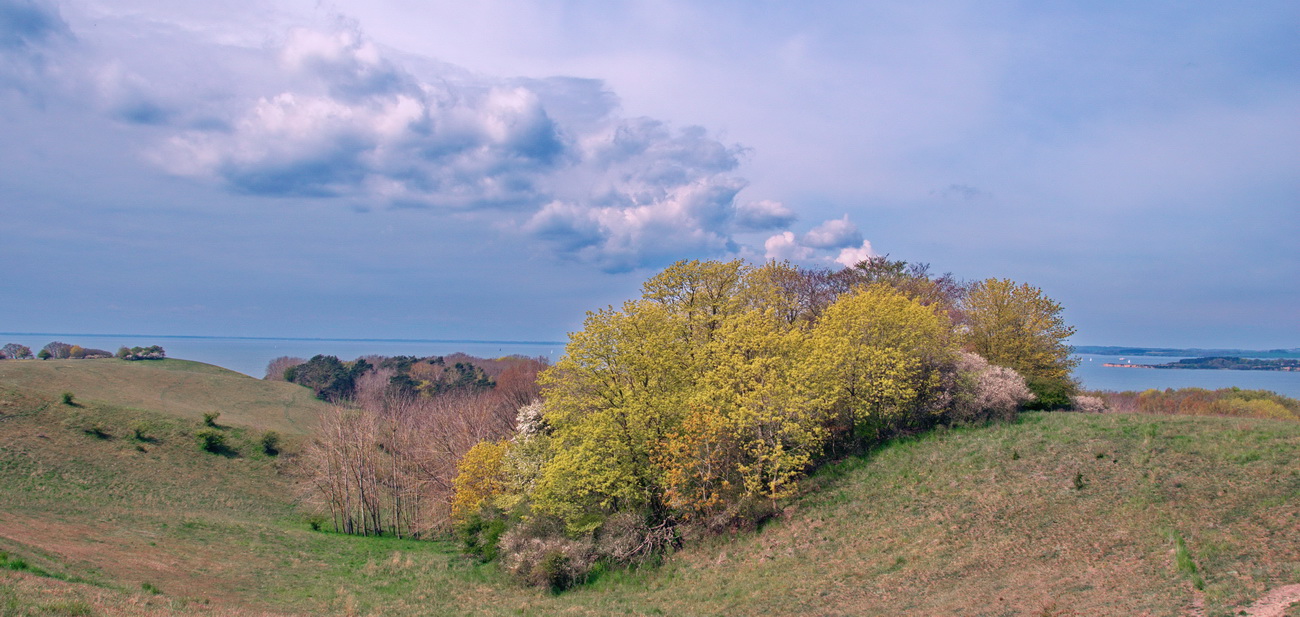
[1094, 376]
[250, 356]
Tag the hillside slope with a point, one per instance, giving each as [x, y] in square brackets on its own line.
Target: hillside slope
[1057, 515]
[178, 387]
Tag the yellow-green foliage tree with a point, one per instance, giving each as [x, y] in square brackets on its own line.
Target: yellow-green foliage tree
[754, 426]
[725, 383]
[479, 477]
[877, 355]
[1016, 326]
[610, 402]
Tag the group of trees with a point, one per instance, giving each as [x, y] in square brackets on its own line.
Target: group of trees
[703, 402]
[408, 376]
[708, 398]
[57, 350]
[152, 352]
[383, 461]
[14, 351]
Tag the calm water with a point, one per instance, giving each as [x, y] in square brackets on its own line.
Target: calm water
[1094, 376]
[251, 355]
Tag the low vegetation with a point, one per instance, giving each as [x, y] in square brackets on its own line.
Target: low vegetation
[1201, 402]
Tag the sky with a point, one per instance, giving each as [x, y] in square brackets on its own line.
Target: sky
[494, 170]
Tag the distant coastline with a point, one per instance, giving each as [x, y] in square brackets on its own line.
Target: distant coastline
[285, 338]
[1221, 363]
[1194, 352]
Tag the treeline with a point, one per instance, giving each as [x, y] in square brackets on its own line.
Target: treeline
[57, 350]
[1234, 363]
[703, 403]
[383, 461]
[1201, 402]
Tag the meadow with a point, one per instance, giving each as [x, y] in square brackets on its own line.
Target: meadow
[109, 507]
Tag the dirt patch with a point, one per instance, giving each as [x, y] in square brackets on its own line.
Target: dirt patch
[1275, 603]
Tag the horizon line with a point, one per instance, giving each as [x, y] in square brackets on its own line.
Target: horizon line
[287, 338]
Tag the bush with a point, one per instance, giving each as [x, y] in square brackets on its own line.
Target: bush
[271, 443]
[211, 440]
[67, 398]
[554, 562]
[480, 534]
[210, 418]
[1050, 394]
[986, 391]
[1087, 404]
[625, 538]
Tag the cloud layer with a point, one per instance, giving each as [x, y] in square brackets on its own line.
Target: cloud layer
[553, 158]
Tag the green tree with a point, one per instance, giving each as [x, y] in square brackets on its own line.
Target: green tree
[610, 402]
[330, 378]
[1016, 326]
[479, 477]
[879, 354]
[754, 426]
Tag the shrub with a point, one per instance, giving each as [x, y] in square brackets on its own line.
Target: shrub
[67, 398]
[480, 534]
[1087, 404]
[210, 418]
[986, 391]
[98, 431]
[625, 538]
[1050, 394]
[554, 562]
[140, 431]
[150, 588]
[271, 443]
[211, 440]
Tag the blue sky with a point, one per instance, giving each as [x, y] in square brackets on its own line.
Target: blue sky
[492, 170]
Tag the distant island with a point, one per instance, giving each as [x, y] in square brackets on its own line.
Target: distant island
[1222, 363]
[1187, 353]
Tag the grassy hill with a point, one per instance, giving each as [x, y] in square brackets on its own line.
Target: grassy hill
[1056, 515]
[179, 388]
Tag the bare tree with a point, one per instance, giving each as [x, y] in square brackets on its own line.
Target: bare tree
[276, 368]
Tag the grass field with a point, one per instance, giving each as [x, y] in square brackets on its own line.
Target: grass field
[1056, 515]
[179, 388]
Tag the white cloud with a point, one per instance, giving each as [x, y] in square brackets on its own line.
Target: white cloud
[833, 234]
[818, 246]
[851, 256]
[783, 246]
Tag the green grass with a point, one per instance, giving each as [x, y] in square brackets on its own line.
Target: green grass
[174, 387]
[1096, 514]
